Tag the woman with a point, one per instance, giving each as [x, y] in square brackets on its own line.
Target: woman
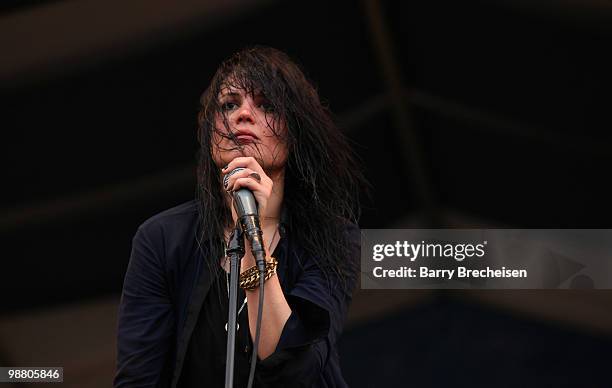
[262, 115]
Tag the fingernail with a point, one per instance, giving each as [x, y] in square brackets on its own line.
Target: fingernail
[225, 168]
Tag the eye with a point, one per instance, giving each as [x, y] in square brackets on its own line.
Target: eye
[227, 106]
[267, 107]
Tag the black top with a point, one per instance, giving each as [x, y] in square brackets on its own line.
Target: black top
[206, 355]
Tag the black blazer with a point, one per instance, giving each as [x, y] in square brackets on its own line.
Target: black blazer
[167, 280]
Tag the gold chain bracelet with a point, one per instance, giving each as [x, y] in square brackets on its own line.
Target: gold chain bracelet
[249, 279]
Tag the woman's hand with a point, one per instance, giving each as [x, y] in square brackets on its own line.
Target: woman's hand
[253, 178]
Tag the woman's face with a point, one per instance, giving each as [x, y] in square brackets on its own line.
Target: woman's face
[248, 126]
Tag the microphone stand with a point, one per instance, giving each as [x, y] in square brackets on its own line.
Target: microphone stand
[235, 251]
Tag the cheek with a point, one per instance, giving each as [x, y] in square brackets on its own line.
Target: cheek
[219, 125]
[218, 142]
[279, 131]
[276, 138]
[280, 150]
[218, 135]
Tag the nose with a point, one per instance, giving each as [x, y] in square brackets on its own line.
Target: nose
[245, 114]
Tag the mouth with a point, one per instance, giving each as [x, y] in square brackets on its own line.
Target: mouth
[245, 137]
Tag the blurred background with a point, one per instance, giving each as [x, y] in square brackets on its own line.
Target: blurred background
[469, 114]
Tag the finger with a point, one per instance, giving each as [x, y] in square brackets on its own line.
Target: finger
[244, 161]
[248, 183]
[227, 178]
[234, 174]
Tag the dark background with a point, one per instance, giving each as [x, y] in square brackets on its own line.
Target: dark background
[464, 114]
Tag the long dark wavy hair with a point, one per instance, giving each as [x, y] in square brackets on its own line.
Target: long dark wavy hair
[322, 177]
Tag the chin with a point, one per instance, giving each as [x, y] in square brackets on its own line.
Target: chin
[268, 162]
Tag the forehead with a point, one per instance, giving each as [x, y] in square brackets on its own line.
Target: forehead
[240, 86]
[232, 91]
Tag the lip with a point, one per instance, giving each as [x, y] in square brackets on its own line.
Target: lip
[244, 135]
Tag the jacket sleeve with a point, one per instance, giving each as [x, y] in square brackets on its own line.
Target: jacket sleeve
[319, 304]
[146, 319]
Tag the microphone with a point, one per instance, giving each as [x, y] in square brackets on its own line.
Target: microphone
[248, 219]
[245, 206]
